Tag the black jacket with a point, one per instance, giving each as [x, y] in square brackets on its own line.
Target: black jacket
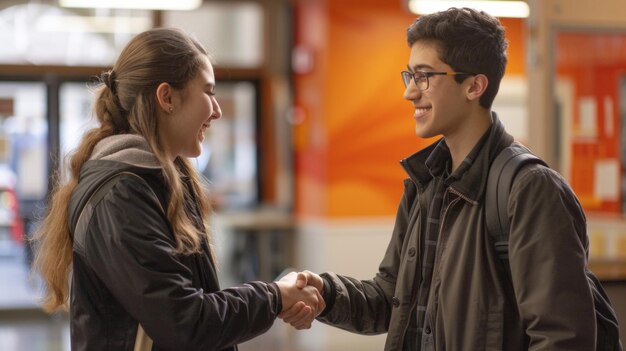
[128, 272]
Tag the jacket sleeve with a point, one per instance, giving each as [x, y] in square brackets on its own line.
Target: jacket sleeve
[131, 248]
[548, 256]
[364, 306]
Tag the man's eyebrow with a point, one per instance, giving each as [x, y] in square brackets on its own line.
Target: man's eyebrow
[419, 67]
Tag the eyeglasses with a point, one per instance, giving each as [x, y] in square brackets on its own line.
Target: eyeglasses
[421, 77]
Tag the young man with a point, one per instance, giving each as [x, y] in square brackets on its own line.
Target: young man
[441, 285]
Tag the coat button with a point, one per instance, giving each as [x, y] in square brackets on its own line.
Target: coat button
[395, 301]
[412, 252]
[427, 330]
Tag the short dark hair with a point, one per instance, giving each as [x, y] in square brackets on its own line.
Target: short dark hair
[468, 41]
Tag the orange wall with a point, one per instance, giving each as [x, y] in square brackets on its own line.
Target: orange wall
[516, 35]
[355, 124]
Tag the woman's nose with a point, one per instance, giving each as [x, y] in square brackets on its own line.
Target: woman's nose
[217, 111]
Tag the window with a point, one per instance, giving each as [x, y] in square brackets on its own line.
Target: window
[42, 34]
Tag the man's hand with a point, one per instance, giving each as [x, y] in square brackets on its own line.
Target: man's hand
[303, 302]
[299, 315]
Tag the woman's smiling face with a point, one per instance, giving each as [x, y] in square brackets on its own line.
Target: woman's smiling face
[194, 107]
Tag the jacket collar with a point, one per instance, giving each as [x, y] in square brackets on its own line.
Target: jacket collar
[471, 183]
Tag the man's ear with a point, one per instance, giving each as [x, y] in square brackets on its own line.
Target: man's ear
[477, 87]
[164, 95]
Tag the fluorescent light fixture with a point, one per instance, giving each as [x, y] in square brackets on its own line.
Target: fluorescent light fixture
[134, 4]
[517, 9]
[86, 24]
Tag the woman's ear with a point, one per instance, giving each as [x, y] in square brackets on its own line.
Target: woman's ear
[164, 95]
[477, 87]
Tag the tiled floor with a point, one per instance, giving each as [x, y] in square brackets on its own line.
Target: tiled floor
[31, 330]
[22, 324]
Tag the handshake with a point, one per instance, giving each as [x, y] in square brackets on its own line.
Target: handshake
[302, 298]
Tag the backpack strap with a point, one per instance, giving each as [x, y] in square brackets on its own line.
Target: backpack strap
[499, 182]
[78, 235]
[143, 342]
[84, 216]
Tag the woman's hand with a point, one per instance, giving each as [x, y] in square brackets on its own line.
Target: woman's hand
[301, 313]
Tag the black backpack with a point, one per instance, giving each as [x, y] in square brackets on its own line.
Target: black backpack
[500, 179]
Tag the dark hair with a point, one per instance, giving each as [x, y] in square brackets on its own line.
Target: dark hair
[468, 41]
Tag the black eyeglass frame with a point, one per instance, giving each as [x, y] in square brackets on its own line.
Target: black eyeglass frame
[421, 75]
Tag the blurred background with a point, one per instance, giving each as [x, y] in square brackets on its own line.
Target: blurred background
[303, 166]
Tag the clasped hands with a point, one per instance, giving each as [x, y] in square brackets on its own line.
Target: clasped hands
[302, 298]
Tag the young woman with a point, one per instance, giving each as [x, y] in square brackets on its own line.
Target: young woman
[129, 230]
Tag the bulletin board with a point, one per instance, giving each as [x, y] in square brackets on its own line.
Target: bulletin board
[590, 86]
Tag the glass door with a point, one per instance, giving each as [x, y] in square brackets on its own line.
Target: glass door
[24, 169]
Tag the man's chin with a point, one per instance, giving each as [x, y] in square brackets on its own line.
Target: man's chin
[423, 133]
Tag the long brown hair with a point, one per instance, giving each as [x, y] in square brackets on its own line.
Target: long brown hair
[126, 104]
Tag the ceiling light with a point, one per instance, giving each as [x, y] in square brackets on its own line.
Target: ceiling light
[518, 9]
[134, 4]
[87, 24]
